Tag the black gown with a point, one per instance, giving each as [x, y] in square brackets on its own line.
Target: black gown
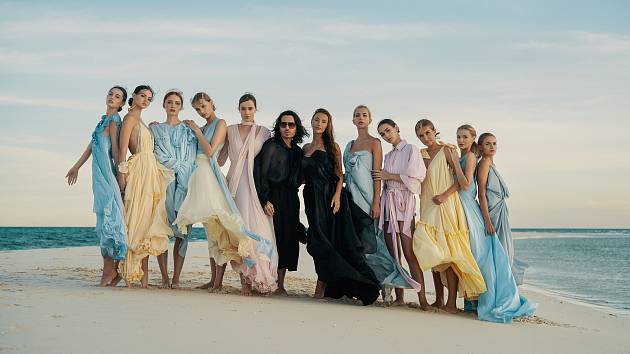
[277, 174]
[333, 239]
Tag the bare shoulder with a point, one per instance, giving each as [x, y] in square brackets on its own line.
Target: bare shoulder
[221, 123]
[375, 143]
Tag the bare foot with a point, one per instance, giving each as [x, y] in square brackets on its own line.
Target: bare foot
[106, 278]
[207, 285]
[450, 309]
[318, 295]
[175, 285]
[246, 290]
[144, 283]
[398, 302]
[116, 280]
[215, 289]
[165, 284]
[438, 304]
[281, 291]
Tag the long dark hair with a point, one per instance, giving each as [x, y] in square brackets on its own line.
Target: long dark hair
[124, 97]
[300, 131]
[138, 90]
[329, 138]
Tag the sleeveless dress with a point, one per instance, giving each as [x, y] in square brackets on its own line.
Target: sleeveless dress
[496, 194]
[398, 201]
[108, 205]
[441, 237]
[278, 175]
[176, 149]
[360, 184]
[148, 229]
[262, 264]
[502, 301]
[209, 202]
[333, 239]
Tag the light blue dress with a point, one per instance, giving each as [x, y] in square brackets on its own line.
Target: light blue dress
[502, 301]
[496, 194]
[108, 205]
[176, 149]
[360, 184]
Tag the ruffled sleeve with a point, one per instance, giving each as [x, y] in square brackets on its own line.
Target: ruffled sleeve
[114, 118]
[414, 172]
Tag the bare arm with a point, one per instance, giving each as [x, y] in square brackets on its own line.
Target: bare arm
[377, 165]
[223, 155]
[113, 134]
[482, 181]
[125, 134]
[336, 202]
[73, 173]
[209, 148]
[464, 178]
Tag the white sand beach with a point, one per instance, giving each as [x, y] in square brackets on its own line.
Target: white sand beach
[50, 304]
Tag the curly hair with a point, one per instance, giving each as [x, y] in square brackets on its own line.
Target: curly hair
[300, 131]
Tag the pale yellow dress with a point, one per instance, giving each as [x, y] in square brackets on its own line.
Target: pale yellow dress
[148, 229]
[441, 236]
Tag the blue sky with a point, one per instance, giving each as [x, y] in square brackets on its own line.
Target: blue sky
[549, 78]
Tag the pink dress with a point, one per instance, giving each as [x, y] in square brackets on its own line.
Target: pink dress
[261, 265]
[398, 202]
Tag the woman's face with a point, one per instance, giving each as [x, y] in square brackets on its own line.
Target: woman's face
[319, 123]
[361, 118]
[389, 133]
[114, 98]
[204, 108]
[247, 110]
[464, 139]
[173, 105]
[426, 134]
[143, 99]
[488, 146]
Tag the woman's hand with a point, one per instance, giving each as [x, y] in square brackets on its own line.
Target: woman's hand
[380, 175]
[336, 203]
[269, 210]
[192, 125]
[489, 229]
[376, 210]
[122, 183]
[72, 175]
[453, 155]
[438, 199]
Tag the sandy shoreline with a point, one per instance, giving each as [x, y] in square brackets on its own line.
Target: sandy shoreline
[50, 304]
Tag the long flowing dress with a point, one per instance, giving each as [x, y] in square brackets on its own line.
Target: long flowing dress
[108, 205]
[209, 202]
[360, 184]
[176, 148]
[262, 267]
[148, 229]
[278, 175]
[441, 237]
[496, 194]
[501, 302]
[333, 239]
[398, 202]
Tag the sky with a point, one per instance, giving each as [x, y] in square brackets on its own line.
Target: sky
[549, 78]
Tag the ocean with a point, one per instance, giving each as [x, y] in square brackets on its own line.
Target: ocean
[587, 265]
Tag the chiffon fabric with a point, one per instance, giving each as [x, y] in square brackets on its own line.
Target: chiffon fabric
[333, 239]
[108, 205]
[209, 202]
[502, 301]
[496, 194]
[441, 237]
[148, 229]
[359, 183]
[261, 270]
[176, 149]
[278, 175]
[398, 201]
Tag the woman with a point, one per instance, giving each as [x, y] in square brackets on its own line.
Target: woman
[362, 156]
[278, 175]
[334, 222]
[402, 174]
[441, 237]
[143, 182]
[108, 205]
[244, 141]
[175, 148]
[493, 193]
[209, 201]
[501, 302]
